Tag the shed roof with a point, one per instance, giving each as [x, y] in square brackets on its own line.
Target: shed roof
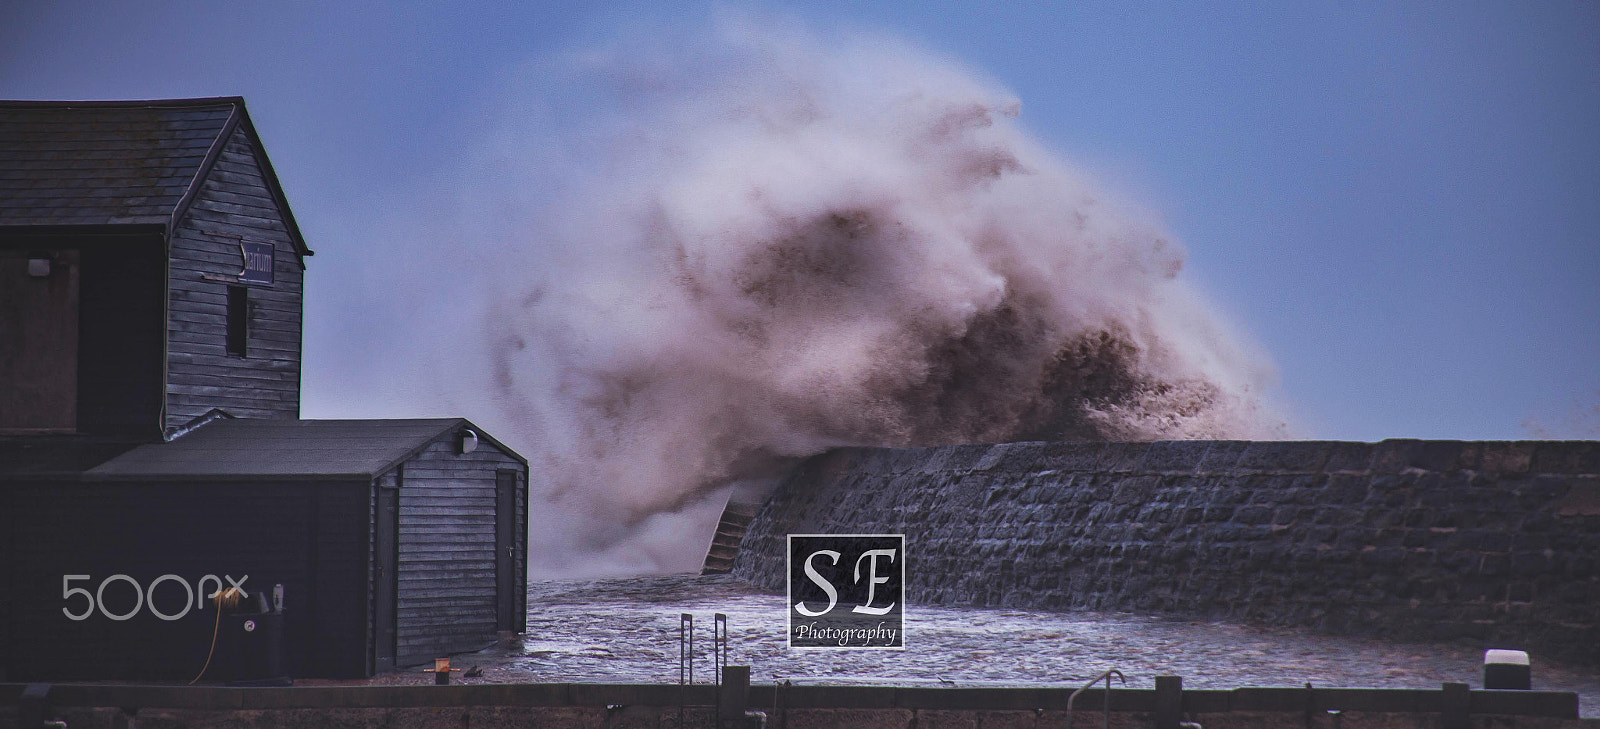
[116, 162]
[284, 448]
[53, 456]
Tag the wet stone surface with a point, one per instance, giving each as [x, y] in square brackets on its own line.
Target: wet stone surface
[626, 630]
[1495, 544]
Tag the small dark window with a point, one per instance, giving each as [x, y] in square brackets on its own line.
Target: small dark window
[238, 320]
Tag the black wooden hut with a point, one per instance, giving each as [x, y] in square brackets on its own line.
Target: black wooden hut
[150, 269]
[151, 450]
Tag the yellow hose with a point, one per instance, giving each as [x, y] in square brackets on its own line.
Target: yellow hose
[222, 598]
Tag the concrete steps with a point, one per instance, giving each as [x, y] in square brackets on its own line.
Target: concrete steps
[736, 518]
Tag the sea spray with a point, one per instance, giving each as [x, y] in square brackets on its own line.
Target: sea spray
[761, 244]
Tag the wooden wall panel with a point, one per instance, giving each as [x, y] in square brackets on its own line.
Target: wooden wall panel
[447, 541]
[233, 204]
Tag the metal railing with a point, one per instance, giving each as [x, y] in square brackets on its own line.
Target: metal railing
[685, 649]
[1107, 707]
[686, 657]
[719, 645]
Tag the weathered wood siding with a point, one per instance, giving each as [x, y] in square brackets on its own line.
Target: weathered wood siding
[233, 203]
[520, 620]
[447, 550]
[373, 584]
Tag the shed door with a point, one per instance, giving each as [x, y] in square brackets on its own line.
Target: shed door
[385, 558]
[505, 542]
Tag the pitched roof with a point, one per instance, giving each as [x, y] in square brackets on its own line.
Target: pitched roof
[115, 162]
[284, 449]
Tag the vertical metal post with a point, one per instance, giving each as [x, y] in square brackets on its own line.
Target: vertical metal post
[685, 658]
[1107, 723]
[719, 644]
[685, 649]
[719, 628]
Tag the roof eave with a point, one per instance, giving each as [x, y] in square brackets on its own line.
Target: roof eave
[270, 176]
[80, 229]
[204, 171]
[90, 476]
[123, 103]
[484, 436]
[456, 424]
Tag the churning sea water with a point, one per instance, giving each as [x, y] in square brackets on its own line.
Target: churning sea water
[627, 630]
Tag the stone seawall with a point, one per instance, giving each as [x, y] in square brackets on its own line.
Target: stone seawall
[623, 706]
[1497, 543]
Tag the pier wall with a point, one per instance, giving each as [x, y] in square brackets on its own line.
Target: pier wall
[619, 706]
[1496, 543]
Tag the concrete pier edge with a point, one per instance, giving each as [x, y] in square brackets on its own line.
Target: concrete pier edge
[1558, 704]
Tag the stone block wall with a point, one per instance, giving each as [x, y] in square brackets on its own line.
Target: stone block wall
[1496, 543]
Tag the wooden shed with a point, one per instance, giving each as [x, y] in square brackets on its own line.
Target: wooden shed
[151, 449]
[393, 546]
[150, 268]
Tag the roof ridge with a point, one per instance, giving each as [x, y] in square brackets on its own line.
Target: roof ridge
[291, 421]
[231, 449]
[125, 103]
[65, 179]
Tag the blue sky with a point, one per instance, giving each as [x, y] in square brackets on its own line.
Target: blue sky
[1400, 202]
